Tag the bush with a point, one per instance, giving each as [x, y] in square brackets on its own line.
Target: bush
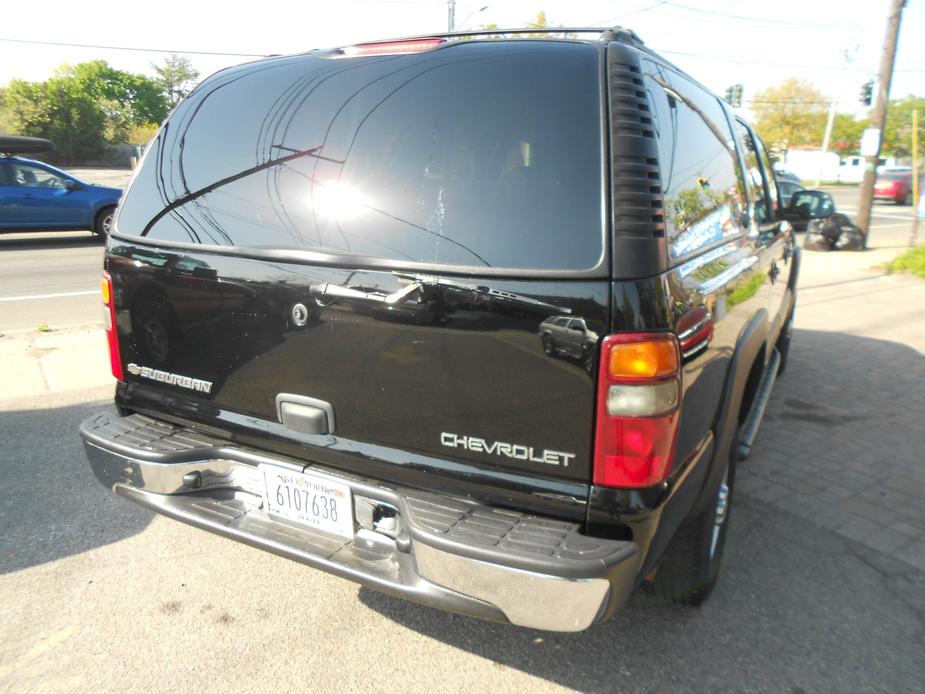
[911, 261]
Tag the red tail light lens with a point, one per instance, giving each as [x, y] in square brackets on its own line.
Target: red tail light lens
[392, 47]
[109, 322]
[639, 388]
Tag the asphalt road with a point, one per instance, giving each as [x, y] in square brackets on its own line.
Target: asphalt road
[50, 278]
[100, 595]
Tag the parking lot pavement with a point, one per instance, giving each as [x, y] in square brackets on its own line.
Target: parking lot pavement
[100, 595]
[842, 444]
[117, 178]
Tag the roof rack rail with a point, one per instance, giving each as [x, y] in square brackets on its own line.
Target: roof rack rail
[616, 33]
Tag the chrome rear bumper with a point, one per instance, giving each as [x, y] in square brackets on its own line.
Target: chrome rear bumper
[450, 553]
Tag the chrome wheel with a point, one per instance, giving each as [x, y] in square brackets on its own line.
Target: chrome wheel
[106, 223]
[720, 512]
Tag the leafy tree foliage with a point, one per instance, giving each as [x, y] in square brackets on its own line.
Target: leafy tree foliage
[846, 134]
[176, 77]
[897, 135]
[792, 114]
[82, 108]
[58, 110]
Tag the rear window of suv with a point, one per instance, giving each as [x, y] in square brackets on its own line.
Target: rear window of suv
[477, 154]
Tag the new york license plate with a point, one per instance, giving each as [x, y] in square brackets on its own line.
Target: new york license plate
[309, 499]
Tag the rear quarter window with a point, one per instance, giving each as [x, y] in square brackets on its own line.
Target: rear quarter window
[701, 182]
[477, 154]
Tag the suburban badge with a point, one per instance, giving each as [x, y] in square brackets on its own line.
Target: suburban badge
[170, 378]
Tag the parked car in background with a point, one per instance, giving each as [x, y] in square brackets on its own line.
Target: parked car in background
[895, 185]
[785, 175]
[569, 335]
[37, 196]
[787, 188]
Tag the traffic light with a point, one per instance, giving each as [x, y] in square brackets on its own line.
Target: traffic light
[734, 95]
[737, 95]
[867, 93]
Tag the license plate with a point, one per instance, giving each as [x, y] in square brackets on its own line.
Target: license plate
[309, 499]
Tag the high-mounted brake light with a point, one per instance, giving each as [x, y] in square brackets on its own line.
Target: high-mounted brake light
[639, 387]
[109, 322]
[392, 47]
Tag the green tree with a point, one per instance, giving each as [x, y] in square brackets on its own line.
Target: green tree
[792, 114]
[56, 109]
[176, 77]
[542, 23]
[897, 135]
[81, 108]
[139, 97]
[846, 134]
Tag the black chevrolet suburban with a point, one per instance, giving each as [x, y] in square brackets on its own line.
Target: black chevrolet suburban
[324, 297]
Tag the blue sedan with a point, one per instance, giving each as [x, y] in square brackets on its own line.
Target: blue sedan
[38, 196]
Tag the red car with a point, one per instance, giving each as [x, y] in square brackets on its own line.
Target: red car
[895, 186]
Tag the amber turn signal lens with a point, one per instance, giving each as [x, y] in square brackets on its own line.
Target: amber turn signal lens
[646, 359]
[104, 288]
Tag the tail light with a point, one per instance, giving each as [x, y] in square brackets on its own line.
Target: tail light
[392, 47]
[637, 409]
[109, 322]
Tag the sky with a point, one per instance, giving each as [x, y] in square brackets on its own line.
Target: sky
[720, 42]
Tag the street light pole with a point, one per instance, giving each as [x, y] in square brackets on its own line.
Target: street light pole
[451, 15]
[878, 118]
[830, 122]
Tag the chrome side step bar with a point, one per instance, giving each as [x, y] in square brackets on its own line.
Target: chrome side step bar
[752, 423]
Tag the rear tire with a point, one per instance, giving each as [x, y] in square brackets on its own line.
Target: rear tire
[548, 349]
[102, 225]
[690, 568]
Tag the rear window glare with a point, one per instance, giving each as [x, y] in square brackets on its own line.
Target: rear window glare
[471, 155]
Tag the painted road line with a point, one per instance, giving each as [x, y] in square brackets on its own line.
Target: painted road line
[36, 297]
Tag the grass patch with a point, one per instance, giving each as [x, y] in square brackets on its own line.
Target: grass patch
[911, 261]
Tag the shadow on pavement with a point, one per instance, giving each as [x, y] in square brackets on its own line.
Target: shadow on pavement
[26, 241]
[51, 505]
[799, 607]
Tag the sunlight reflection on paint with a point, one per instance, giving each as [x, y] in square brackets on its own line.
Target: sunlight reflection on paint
[337, 200]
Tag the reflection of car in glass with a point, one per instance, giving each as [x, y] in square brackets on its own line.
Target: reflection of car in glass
[787, 189]
[895, 185]
[806, 205]
[569, 336]
[814, 211]
[444, 213]
[38, 196]
[782, 175]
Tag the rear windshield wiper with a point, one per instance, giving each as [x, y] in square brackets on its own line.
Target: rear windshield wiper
[295, 154]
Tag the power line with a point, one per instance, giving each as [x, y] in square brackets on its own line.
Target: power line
[728, 59]
[127, 48]
[630, 14]
[762, 20]
[735, 59]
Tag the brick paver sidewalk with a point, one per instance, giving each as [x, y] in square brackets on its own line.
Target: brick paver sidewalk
[843, 441]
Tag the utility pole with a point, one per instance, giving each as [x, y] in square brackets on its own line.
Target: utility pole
[451, 15]
[878, 118]
[915, 177]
